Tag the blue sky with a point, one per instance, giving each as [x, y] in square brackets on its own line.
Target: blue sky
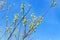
[50, 27]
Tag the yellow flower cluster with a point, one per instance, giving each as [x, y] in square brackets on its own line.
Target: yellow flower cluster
[33, 17]
[16, 18]
[22, 6]
[32, 26]
[23, 17]
[55, 3]
[8, 29]
[25, 21]
[39, 21]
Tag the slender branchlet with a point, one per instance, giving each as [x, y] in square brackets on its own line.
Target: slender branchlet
[18, 24]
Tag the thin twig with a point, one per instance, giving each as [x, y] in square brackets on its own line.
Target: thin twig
[35, 25]
[18, 24]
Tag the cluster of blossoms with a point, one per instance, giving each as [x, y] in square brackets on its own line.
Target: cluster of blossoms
[16, 18]
[32, 25]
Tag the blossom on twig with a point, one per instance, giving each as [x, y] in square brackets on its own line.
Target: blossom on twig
[33, 17]
[22, 6]
[24, 22]
[39, 21]
[16, 18]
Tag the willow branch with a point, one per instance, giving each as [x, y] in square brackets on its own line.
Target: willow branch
[18, 24]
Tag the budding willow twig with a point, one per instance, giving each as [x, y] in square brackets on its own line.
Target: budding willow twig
[23, 7]
[5, 31]
[18, 24]
[35, 24]
[53, 4]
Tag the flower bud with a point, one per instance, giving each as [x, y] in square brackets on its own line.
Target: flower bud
[22, 6]
[55, 3]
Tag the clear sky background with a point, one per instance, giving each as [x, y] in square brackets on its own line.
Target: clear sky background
[50, 27]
